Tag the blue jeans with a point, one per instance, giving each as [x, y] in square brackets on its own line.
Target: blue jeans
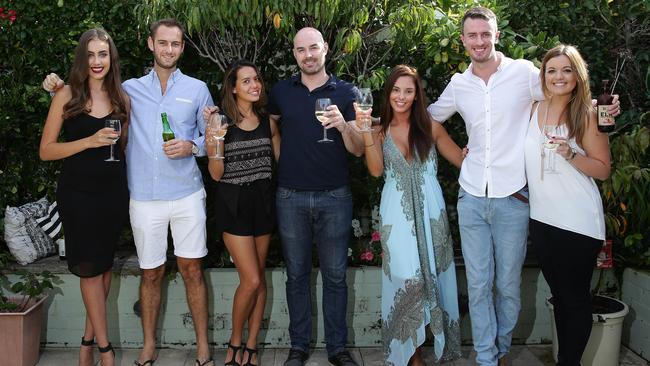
[493, 233]
[322, 218]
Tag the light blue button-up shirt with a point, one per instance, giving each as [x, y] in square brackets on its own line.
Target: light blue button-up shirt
[151, 174]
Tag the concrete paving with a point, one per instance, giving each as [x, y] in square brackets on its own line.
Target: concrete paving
[532, 355]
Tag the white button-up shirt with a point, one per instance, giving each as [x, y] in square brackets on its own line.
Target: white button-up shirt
[496, 118]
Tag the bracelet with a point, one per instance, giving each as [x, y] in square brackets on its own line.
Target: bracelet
[373, 144]
[572, 156]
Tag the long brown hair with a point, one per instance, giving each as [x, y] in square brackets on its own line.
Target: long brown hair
[420, 136]
[229, 99]
[580, 104]
[80, 101]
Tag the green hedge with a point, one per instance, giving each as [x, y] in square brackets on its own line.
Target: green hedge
[42, 36]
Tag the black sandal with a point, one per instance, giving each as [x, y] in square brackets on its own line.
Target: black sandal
[108, 348]
[232, 362]
[145, 363]
[250, 352]
[86, 343]
[207, 361]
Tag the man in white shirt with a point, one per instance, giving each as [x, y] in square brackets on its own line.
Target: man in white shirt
[494, 97]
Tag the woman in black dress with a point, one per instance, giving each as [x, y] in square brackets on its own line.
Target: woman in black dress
[92, 193]
[244, 199]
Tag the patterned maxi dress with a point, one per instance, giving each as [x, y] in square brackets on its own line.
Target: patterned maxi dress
[419, 276]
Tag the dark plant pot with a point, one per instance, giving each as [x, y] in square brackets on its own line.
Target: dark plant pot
[604, 343]
[20, 338]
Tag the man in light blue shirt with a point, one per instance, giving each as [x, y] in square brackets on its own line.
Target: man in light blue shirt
[165, 184]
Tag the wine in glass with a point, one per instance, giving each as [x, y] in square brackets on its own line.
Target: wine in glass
[117, 127]
[364, 103]
[220, 123]
[550, 145]
[321, 108]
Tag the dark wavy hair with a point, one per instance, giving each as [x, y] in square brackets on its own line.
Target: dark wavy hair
[228, 98]
[80, 101]
[420, 135]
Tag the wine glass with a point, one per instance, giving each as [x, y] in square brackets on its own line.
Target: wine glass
[321, 108]
[219, 123]
[117, 127]
[550, 146]
[364, 103]
[211, 134]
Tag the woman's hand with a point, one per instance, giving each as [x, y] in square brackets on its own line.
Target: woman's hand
[563, 148]
[104, 137]
[362, 120]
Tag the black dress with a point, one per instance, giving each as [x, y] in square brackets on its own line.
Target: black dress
[93, 200]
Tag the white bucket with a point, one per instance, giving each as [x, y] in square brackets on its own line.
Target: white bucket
[604, 343]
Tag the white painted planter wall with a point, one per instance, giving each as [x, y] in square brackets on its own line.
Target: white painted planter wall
[65, 312]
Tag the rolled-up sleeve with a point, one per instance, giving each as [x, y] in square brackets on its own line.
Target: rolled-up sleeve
[445, 106]
[205, 99]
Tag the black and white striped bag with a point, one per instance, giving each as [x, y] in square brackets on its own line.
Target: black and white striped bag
[51, 223]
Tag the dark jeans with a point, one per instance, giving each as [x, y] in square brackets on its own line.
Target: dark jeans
[567, 260]
[322, 218]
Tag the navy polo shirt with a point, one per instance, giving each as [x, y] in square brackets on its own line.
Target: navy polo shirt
[306, 164]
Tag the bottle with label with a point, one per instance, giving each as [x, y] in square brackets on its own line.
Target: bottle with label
[61, 246]
[606, 121]
[167, 133]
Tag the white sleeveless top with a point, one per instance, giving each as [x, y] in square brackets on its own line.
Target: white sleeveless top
[569, 200]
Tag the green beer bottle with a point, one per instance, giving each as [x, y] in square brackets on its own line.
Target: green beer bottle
[167, 134]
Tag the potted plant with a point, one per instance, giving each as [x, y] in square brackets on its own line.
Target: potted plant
[21, 314]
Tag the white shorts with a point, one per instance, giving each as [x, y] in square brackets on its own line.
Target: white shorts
[150, 221]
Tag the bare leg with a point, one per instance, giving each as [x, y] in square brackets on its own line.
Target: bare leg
[416, 359]
[93, 293]
[256, 315]
[150, 288]
[197, 299]
[86, 352]
[244, 254]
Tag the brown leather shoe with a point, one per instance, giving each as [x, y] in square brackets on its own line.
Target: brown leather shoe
[503, 362]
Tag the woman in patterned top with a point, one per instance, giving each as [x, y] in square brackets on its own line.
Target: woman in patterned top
[419, 276]
[244, 198]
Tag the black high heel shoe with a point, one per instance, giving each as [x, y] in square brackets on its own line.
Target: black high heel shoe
[106, 349]
[250, 352]
[235, 350]
[86, 343]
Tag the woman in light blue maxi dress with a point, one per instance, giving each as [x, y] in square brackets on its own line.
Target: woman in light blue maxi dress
[419, 276]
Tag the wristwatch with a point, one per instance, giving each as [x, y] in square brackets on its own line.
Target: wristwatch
[195, 149]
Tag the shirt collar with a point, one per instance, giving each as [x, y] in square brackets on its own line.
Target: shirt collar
[505, 62]
[330, 83]
[173, 78]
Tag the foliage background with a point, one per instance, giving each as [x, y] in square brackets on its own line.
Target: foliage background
[366, 38]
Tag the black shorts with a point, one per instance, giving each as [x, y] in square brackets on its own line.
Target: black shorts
[245, 210]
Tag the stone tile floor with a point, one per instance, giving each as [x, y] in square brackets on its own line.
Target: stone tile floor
[532, 355]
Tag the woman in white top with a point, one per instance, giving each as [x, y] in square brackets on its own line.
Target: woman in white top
[567, 225]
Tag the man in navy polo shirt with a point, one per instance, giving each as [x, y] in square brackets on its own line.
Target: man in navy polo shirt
[314, 203]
